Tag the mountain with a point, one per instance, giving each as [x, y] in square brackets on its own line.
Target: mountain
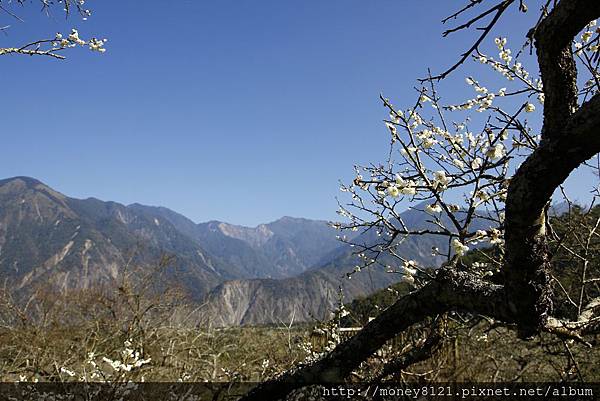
[47, 236]
[280, 249]
[316, 292]
[284, 248]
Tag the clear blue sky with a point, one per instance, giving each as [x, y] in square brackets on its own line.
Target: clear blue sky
[236, 110]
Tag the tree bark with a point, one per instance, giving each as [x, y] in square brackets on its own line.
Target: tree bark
[569, 138]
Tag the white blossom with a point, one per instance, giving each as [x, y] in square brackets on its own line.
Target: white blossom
[495, 152]
[408, 268]
[67, 371]
[435, 208]
[458, 163]
[393, 191]
[408, 190]
[541, 98]
[74, 37]
[459, 248]
[429, 142]
[496, 237]
[440, 178]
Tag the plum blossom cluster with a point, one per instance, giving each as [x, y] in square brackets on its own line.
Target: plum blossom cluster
[587, 50]
[588, 40]
[481, 102]
[459, 248]
[73, 40]
[485, 101]
[494, 236]
[453, 173]
[435, 159]
[409, 270]
[509, 68]
[96, 368]
[398, 187]
[130, 359]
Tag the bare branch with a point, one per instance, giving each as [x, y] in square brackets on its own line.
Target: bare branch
[499, 9]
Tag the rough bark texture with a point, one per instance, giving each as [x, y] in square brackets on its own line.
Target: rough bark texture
[557, 66]
[423, 352]
[565, 145]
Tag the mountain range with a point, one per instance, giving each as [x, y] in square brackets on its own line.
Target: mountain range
[290, 269]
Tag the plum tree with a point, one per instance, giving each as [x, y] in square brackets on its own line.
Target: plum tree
[503, 172]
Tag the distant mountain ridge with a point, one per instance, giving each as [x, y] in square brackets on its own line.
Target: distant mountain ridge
[44, 233]
[283, 248]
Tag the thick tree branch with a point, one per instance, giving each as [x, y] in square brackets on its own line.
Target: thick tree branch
[587, 323]
[449, 290]
[559, 74]
[569, 138]
[527, 279]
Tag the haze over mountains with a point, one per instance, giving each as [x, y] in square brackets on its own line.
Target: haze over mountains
[288, 269]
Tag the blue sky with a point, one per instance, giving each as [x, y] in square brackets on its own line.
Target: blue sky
[236, 110]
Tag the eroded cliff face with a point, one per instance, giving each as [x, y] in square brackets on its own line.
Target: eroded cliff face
[310, 296]
[255, 237]
[256, 302]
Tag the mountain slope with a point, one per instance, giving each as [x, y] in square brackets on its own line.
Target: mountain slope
[45, 236]
[283, 248]
[314, 293]
[280, 249]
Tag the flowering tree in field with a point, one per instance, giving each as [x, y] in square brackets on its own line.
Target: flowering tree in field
[56, 45]
[485, 178]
